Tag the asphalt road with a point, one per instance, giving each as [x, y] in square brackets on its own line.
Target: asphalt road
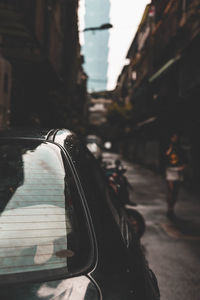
[172, 248]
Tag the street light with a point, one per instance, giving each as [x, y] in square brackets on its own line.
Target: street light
[101, 27]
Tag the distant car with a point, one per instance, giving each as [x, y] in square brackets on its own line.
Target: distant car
[94, 144]
[61, 235]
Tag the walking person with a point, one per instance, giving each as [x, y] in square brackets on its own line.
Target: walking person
[174, 168]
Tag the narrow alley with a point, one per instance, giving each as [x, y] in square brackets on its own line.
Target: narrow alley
[172, 248]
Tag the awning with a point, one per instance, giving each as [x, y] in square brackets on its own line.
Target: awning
[147, 121]
[164, 68]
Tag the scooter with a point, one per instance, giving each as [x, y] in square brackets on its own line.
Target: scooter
[119, 190]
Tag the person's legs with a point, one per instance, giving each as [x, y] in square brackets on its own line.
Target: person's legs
[175, 192]
[170, 185]
[173, 187]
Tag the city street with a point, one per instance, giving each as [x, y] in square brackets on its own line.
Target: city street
[172, 248]
[121, 76]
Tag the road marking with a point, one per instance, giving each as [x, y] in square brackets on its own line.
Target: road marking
[173, 232]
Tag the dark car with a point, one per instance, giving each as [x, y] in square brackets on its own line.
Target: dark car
[61, 235]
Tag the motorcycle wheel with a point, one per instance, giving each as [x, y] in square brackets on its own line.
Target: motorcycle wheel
[136, 221]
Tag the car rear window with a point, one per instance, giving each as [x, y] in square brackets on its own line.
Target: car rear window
[41, 223]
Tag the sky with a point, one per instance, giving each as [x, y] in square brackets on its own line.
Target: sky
[125, 16]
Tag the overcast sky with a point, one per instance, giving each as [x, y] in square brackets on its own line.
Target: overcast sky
[125, 16]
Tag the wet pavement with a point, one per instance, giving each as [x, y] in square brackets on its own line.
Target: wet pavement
[172, 247]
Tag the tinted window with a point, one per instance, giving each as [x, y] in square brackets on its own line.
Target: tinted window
[42, 225]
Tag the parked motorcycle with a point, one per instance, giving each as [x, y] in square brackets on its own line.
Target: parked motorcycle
[119, 190]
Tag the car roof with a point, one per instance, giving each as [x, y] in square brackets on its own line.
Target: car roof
[31, 133]
[63, 137]
[37, 133]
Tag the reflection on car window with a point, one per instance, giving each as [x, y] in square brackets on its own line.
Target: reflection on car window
[37, 221]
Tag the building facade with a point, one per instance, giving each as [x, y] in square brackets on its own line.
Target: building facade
[163, 83]
[40, 41]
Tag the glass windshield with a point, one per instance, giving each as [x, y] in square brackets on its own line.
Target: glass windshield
[39, 228]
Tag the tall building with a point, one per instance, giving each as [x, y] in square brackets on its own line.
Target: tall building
[95, 48]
